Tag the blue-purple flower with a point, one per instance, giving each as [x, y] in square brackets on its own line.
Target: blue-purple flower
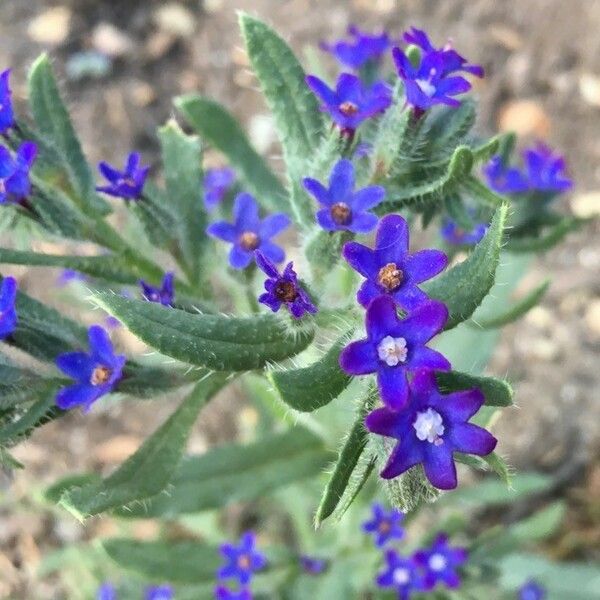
[217, 182]
[345, 209]
[106, 591]
[455, 235]
[546, 171]
[8, 312]
[68, 276]
[242, 560]
[360, 49]
[385, 525]
[503, 178]
[7, 116]
[224, 593]
[401, 574]
[249, 233]
[395, 347]
[313, 565]
[440, 562]
[96, 373]
[127, 184]
[431, 428]
[283, 289]
[159, 592]
[389, 268]
[351, 102]
[14, 172]
[532, 590]
[162, 295]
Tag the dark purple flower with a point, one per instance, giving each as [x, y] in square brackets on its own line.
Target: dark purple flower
[95, 373]
[532, 590]
[159, 592]
[360, 49]
[162, 295]
[313, 565]
[223, 593]
[385, 526]
[430, 429]
[504, 179]
[7, 117]
[395, 347]
[440, 563]
[14, 172]
[401, 574]
[217, 182]
[352, 102]
[454, 235]
[127, 184]
[390, 269]
[248, 233]
[8, 313]
[68, 275]
[106, 591]
[242, 560]
[283, 289]
[345, 209]
[546, 171]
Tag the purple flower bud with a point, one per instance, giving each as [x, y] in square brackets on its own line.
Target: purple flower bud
[127, 184]
[440, 562]
[217, 182]
[14, 172]
[162, 295]
[8, 313]
[241, 560]
[67, 276]
[454, 235]
[385, 526]
[7, 117]
[159, 592]
[312, 565]
[532, 590]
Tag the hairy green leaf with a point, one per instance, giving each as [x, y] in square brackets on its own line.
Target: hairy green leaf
[496, 391]
[550, 239]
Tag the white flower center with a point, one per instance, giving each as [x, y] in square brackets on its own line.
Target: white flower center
[392, 350]
[429, 426]
[426, 86]
[401, 576]
[437, 562]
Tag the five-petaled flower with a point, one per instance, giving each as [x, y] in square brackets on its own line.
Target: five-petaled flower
[159, 592]
[360, 49]
[224, 593]
[532, 590]
[14, 172]
[283, 289]
[351, 102]
[248, 233]
[401, 574]
[431, 428]
[106, 591]
[385, 526]
[390, 269]
[394, 347]
[242, 560]
[217, 182]
[164, 294]
[96, 373]
[127, 184]
[313, 565]
[345, 209]
[7, 116]
[440, 562]
[8, 313]
[455, 235]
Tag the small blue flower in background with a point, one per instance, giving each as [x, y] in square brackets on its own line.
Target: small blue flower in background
[8, 313]
[283, 289]
[242, 560]
[345, 209]
[68, 276]
[217, 182]
[546, 171]
[352, 102]
[106, 591]
[401, 574]
[313, 565]
[162, 295]
[96, 373]
[127, 184]
[504, 179]
[455, 235]
[394, 347]
[249, 233]
[532, 590]
[111, 322]
[360, 49]
[390, 269]
[385, 526]
[14, 172]
[223, 593]
[440, 562]
[431, 428]
[7, 117]
[159, 592]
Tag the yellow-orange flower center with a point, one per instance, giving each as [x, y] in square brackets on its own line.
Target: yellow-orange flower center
[244, 562]
[249, 241]
[100, 375]
[341, 213]
[348, 108]
[390, 277]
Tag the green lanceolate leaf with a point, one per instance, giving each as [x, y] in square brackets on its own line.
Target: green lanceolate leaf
[148, 471]
[218, 342]
[552, 237]
[236, 473]
[464, 287]
[156, 215]
[144, 381]
[500, 467]
[497, 392]
[315, 386]
[481, 193]
[486, 150]
[220, 129]
[516, 311]
[53, 121]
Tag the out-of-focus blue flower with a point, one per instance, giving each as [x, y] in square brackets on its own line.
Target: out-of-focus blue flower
[430, 429]
[344, 208]
[96, 373]
[546, 170]
[242, 560]
[111, 322]
[159, 592]
[532, 590]
[217, 182]
[352, 102]
[7, 116]
[313, 565]
[440, 563]
[106, 591]
[249, 233]
[127, 184]
[455, 235]
[69, 275]
[504, 179]
[8, 312]
[162, 295]
[385, 526]
[401, 574]
[224, 593]
[14, 172]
